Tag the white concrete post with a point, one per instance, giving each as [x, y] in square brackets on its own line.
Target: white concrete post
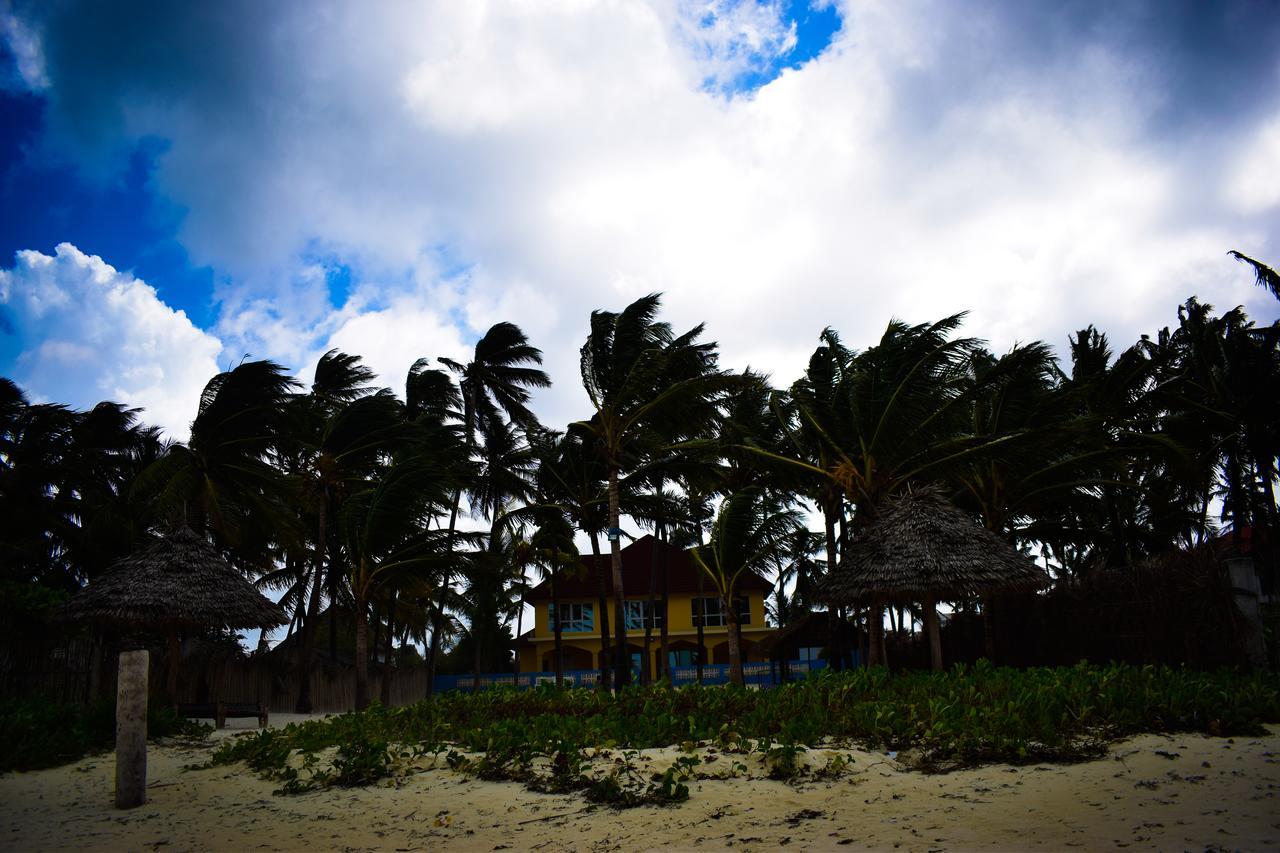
[131, 730]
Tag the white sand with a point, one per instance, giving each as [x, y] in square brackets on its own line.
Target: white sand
[1211, 794]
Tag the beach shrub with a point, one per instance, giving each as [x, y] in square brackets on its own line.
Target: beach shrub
[361, 761]
[37, 733]
[966, 715]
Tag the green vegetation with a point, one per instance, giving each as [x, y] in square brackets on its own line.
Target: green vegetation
[343, 494]
[545, 738]
[36, 733]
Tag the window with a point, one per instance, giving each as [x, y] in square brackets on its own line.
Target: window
[574, 618]
[639, 617]
[714, 610]
[684, 657]
[809, 654]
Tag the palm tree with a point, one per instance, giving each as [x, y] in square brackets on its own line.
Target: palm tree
[1227, 383]
[504, 477]
[749, 533]
[798, 570]
[552, 551]
[383, 532]
[872, 422]
[497, 378]
[344, 427]
[659, 509]
[65, 477]
[1264, 275]
[223, 481]
[650, 389]
[571, 478]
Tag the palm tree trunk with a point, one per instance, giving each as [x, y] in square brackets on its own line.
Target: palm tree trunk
[557, 629]
[646, 673]
[362, 647]
[376, 634]
[387, 651]
[306, 643]
[433, 648]
[664, 637]
[622, 669]
[477, 661]
[735, 640]
[700, 613]
[602, 597]
[333, 612]
[171, 680]
[524, 591]
[437, 618]
[988, 630]
[875, 630]
[835, 658]
[933, 628]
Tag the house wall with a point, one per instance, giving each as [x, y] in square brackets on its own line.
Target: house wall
[681, 632]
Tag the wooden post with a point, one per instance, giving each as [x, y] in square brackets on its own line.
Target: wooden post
[875, 630]
[131, 729]
[171, 680]
[933, 628]
[988, 631]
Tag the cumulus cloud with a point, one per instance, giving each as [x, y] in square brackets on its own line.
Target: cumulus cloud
[472, 162]
[91, 333]
[27, 53]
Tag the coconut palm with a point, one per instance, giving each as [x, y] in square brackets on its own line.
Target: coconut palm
[658, 509]
[382, 529]
[1226, 381]
[498, 378]
[551, 550]
[572, 479]
[883, 418]
[344, 428]
[65, 513]
[504, 477]
[749, 533]
[1264, 275]
[650, 389]
[223, 482]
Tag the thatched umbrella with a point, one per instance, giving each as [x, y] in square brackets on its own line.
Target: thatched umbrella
[178, 582]
[922, 548]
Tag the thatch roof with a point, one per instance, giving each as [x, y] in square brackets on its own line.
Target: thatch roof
[179, 580]
[921, 545]
[810, 624]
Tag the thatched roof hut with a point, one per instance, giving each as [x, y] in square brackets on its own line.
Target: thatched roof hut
[178, 580]
[921, 547]
[177, 583]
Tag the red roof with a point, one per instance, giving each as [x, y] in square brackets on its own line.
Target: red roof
[1245, 544]
[639, 559]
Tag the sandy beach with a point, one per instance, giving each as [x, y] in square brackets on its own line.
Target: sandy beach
[1184, 792]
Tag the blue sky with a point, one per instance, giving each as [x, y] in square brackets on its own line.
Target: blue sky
[183, 184]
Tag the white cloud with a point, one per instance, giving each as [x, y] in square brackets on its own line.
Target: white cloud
[28, 53]
[91, 333]
[1255, 183]
[390, 339]
[568, 156]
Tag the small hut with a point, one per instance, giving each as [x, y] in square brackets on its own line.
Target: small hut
[177, 583]
[921, 548]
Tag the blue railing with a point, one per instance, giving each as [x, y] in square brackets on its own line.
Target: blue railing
[759, 674]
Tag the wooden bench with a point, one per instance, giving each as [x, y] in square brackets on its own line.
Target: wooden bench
[220, 711]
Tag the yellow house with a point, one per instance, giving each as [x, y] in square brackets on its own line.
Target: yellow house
[646, 562]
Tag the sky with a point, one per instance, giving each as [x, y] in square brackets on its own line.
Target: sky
[183, 185]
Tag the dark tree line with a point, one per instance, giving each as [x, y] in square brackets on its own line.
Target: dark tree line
[345, 498]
